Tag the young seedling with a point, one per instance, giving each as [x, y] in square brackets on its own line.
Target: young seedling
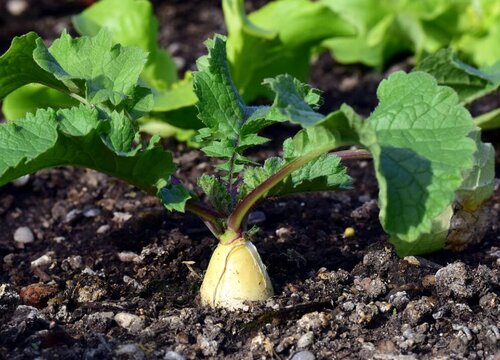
[419, 137]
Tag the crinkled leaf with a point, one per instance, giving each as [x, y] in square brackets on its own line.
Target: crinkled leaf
[74, 137]
[418, 138]
[102, 71]
[295, 100]
[469, 82]
[266, 43]
[223, 111]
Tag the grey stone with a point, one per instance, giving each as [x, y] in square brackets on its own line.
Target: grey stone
[305, 340]
[172, 355]
[303, 355]
[131, 322]
[130, 351]
[24, 235]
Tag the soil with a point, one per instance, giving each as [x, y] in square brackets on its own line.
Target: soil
[109, 274]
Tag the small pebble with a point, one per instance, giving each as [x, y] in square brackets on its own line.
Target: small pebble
[92, 212]
[256, 217]
[305, 340]
[283, 232]
[9, 299]
[303, 355]
[17, 7]
[128, 256]
[121, 217]
[43, 261]
[130, 351]
[131, 322]
[454, 280]
[172, 355]
[72, 215]
[24, 235]
[20, 182]
[103, 229]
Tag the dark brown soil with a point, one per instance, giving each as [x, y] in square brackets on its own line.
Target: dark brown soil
[117, 276]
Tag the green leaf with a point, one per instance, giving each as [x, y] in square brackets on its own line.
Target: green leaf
[108, 72]
[17, 67]
[131, 22]
[74, 137]
[469, 83]
[418, 138]
[295, 100]
[29, 98]
[266, 43]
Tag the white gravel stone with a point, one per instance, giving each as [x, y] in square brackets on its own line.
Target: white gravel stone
[128, 256]
[131, 322]
[17, 7]
[24, 235]
[305, 340]
[43, 261]
[103, 229]
[20, 182]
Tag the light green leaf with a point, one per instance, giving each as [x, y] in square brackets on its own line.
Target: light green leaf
[266, 43]
[480, 32]
[418, 138]
[131, 22]
[74, 137]
[386, 28]
[29, 98]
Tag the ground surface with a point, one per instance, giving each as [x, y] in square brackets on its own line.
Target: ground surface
[113, 275]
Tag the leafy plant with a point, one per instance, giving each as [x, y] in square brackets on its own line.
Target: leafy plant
[423, 144]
